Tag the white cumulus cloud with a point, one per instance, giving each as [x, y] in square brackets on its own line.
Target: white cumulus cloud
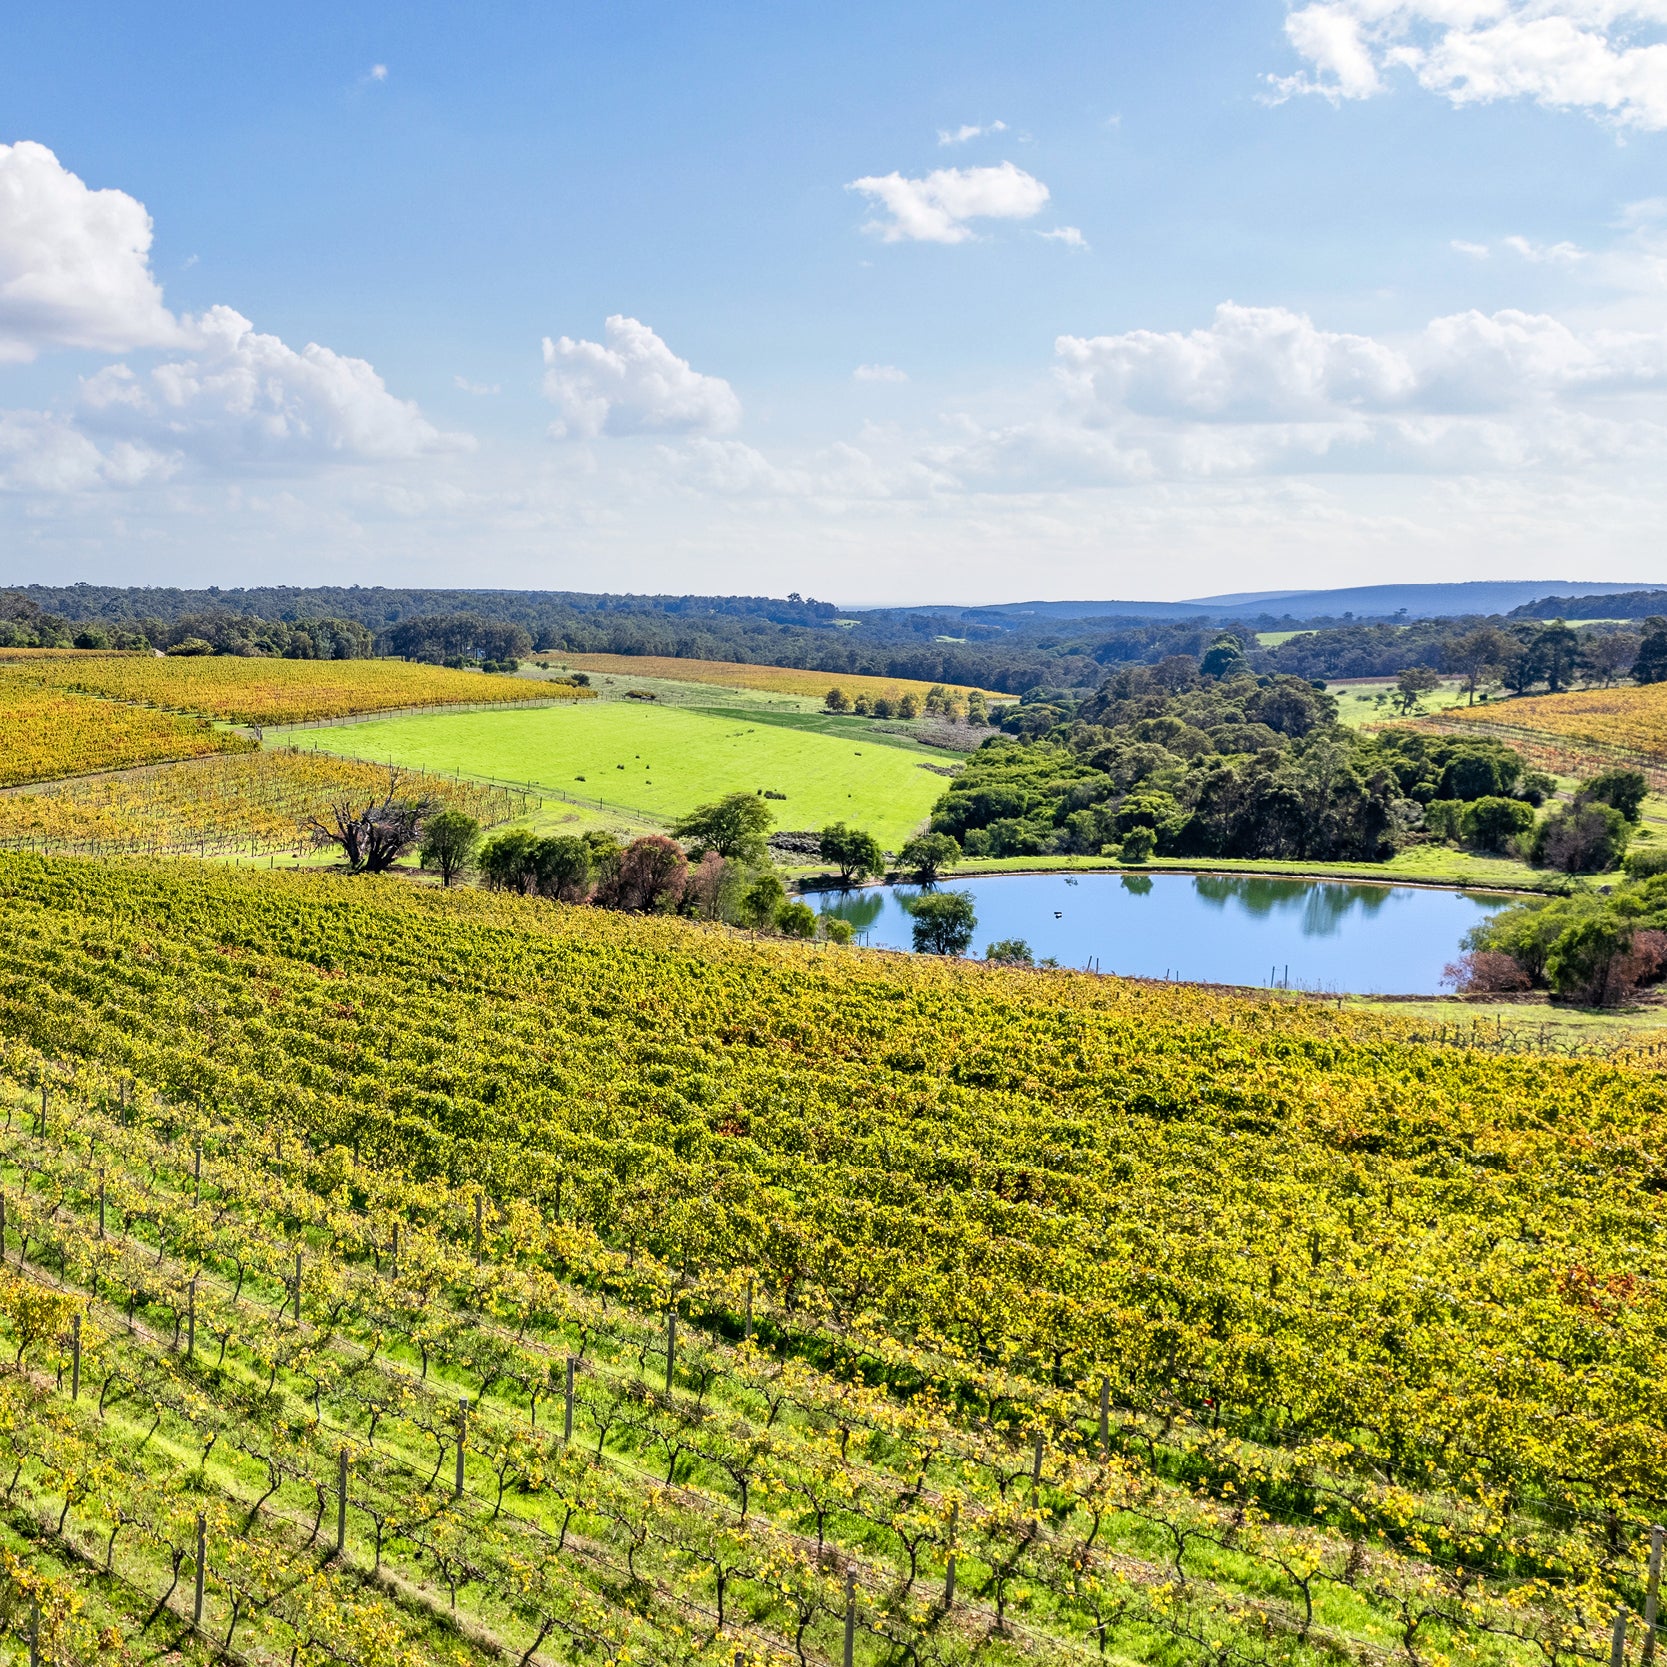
[936, 208]
[879, 373]
[968, 130]
[1070, 236]
[1604, 57]
[632, 383]
[244, 396]
[74, 263]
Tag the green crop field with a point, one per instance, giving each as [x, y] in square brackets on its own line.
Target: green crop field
[663, 762]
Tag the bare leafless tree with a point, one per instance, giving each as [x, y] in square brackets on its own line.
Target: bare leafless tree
[375, 834]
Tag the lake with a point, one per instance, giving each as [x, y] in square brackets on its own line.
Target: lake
[1209, 928]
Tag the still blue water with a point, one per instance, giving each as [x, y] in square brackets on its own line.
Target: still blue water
[1210, 928]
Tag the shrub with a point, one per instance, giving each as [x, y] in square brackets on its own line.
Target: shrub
[1645, 861]
[836, 929]
[1138, 845]
[1442, 819]
[1490, 824]
[1009, 952]
[796, 920]
[1486, 971]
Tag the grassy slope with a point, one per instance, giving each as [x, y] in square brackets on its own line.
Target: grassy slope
[673, 760]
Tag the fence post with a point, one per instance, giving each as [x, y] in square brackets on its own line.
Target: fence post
[3, 1230]
[34, 1632]
[671, 1343]
[749, 1310]
[567, 1417]
[191, 1321]
[298, 1287]
[394, 1253]
[1036, 1463]
[75, 1356]
[202, 1557]
[101, 1203]
[1105, 1419]
[1652, 1594]
[850, 1617]
[1617, 1640]
[480, 1235]
[949, 1572]
[43, 1110]
[197, 1176]
[341, 1501]
[462, 1437]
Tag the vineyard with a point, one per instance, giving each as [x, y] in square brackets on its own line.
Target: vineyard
[260, 691]
[1575, 731]
[48, 733]
[249, 803]
[729, 674]
[393, 1276]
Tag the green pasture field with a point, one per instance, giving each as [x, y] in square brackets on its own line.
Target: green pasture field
[1358, 703]
[661, 761]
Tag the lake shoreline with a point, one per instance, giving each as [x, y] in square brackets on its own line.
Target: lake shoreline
[817, 882]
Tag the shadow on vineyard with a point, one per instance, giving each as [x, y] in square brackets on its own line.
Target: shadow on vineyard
[393, 1273]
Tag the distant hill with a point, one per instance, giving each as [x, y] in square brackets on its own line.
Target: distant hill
[1628, 604]
[1474, 596]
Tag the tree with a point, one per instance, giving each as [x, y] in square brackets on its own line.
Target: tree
[943, 922]
[853, 852]
[1009, 952]
[929, 854]
[838, 700]
[1607, 658]
[506, 861]
[561, 865]
[909, 705]
[763, 899]
[1558, 649]
[737, 825]
[1587, 958]
[1586, 838]
[1490, 824]
[1622, 789]
[1651, 664]
[1475, 658]
[450, 839]
[652, 873]
[1138, 845]
[1413, 683]
[978, 709]
[375, 835]
[1223, 658]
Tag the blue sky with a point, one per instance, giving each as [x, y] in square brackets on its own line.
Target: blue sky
[731, 298]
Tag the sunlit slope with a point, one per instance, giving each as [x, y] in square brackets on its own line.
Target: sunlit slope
[664, 761]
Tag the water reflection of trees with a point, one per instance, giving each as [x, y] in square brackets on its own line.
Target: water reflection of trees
[862, 908]
[1139, 885]
[1322, 904]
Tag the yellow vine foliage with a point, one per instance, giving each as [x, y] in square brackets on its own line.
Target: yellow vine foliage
[1630, 719]
[260, 691]
[46, 733]
[247, 801]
